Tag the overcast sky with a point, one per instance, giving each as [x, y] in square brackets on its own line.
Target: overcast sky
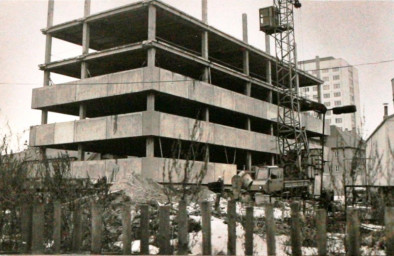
[357, 31]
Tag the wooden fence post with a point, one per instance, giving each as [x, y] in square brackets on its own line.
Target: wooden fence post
[231, 224]
[321, 231]
[389, 224]
[164, 235]
[183, 229]
[353, 233]
[26, 226]
[77, 227]
[206, 228]
[126, 228]
[271, 230]
[38, 225]
[144, 229]
[295, 232]
[57, 226]
[97, 227]
[249, 226]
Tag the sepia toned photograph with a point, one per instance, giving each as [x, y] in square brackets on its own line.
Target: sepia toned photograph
[197, 127]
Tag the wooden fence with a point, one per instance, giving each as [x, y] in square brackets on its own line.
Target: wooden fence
[32, 229]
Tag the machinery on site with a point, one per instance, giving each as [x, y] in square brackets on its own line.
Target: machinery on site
[270, 180]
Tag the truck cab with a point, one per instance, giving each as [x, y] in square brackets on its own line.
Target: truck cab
[267, 179]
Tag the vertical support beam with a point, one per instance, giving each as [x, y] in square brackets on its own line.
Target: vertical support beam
[206, 228]
[151, 61]
[271, 229]
[248, 85]
[389, 229]
[57, 226]
[204, 41]
[267, 44]
[150, 102]
[232, 233]
[126, 228]
[249, 226]
[150, 147]
[321, 234]
[38, 226]
[26, 226]
[150, 142]
[144, 229]
[295, 232]
[164, 235]
[205, 114]
[183, 229]
[353, 233]
[48, 52]
[97, 227]
[248, 161]
[81, 153]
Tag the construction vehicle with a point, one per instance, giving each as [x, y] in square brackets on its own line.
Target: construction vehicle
[269, 180]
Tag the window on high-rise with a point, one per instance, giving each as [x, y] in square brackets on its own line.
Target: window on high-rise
[338, 120]
[327, 104]
[326, 79]
[315, 88]
[326, 87]
[315, 97]
[335, 69]
[336, 77]
[306, 89]
[337, 94]
[337, 86]
[337, 103]
[324, 71]
[326, 95]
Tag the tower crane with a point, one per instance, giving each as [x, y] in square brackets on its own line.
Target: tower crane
[278, 22]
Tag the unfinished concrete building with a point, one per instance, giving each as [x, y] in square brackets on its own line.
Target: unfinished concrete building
[147, 71]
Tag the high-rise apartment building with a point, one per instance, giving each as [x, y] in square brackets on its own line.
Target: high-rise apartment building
[340, 88]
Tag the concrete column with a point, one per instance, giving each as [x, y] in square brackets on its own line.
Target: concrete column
[150, 101]
[267, 44]
[204, 41]
[246, 70]
[48, 52]
[150, 147]
[150, 142]
[268, 72]
[81, 153]
[205, 114]
[151, 61]
[248, 161]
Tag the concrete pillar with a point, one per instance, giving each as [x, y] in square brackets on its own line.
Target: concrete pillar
[267, 44]
[204, 42]
[150, 102]
[248, 161]
[150, 147]
[48, 52]
[81, 153]
[151, 61]
[205, 114]
[84, 69]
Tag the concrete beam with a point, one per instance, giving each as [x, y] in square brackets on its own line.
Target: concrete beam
[148, 167]
[99, 87]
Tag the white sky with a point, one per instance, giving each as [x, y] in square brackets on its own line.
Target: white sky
[357, 31]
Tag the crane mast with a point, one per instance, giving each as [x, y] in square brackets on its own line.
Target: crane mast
[278, 22]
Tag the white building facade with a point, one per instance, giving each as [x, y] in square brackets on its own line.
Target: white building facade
[340, 88]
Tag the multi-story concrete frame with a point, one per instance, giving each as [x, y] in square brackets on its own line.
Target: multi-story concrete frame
[154, 71]
[340, 88]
